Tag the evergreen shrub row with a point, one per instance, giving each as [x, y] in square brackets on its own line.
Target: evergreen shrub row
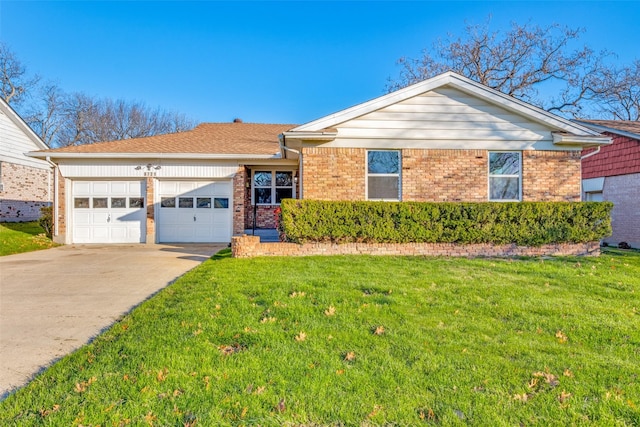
[522, 223]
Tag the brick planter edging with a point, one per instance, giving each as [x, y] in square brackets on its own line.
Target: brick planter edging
[249, 246]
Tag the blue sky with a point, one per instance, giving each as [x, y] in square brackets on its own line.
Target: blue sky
[267, 62]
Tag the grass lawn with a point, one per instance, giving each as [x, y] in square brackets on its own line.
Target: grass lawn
[362, 341]
[18, 237]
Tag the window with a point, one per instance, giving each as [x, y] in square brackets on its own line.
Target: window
[270, 187]
[383, 175]
[221, 203]
[118, 202]
[168, 202]
[100, 202]
[185, 202]
[203, 202]
[81, 203]
[137, 202]
[505, 170]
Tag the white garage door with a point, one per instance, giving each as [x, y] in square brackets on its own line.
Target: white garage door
[194, 211]
[109, 212]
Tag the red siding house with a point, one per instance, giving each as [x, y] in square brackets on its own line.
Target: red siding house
[613, 173]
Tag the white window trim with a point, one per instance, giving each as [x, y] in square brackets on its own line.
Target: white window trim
[519, 176]
[273, 185]
[399, 175]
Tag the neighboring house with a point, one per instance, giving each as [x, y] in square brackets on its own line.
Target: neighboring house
[25, 182]
[444, 139]
[613, 173]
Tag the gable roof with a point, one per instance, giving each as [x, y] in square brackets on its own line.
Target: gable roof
[207, 140]
[322, 129]
[627, 128]
[22, 125]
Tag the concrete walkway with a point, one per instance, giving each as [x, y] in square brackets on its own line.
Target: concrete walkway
[54, 301]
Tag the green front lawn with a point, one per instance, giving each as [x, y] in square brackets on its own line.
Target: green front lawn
[362, 341]
[18, 237]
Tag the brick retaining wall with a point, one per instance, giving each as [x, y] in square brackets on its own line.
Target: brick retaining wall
[250, 246]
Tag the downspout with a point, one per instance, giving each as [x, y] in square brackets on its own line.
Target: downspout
[597, 150]
[55, 195]
[281, 140]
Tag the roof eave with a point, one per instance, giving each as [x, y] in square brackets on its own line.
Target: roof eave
[319, 136]
[181, 156]
[584, 141]
[601, 128]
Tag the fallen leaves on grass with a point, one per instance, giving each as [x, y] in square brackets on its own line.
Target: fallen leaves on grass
[162, 375]
[350, 356]
[379, 330]
[227, 350]
[330, 311]
[564, 396]
[297, 294]
[268, 320]
[84, 385]
[280, 407]
[562, 337]
[301, 336]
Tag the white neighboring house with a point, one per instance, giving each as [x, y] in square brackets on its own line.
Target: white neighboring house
[26, 183]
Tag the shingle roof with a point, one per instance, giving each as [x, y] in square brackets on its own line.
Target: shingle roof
[627, 126]
[206, 138]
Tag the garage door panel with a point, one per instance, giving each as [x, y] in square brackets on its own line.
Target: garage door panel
[194, 200]
[110, 217]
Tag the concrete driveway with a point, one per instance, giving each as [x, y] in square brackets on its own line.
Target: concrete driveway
[54, 301]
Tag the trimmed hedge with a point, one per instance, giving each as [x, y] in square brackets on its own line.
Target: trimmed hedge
[522, 223]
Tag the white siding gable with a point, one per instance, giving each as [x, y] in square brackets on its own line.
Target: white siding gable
[14, 143]
[445, 117]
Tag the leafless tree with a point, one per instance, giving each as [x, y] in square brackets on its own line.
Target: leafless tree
[520, 62]
[86, 120]
[16, 82]
[622, 99]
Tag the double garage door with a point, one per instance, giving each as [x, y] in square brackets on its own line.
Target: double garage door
[185, 211]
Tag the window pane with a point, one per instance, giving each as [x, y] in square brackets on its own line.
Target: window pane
[504, 188]
[118, 202]
[283, 193]
[185, 202]
[284, 179]
[100, 203]
[204, 202]
[168, 202]
[221, 203]
[262, 179]
[81, 202]
[383, 187]
[383, 161]
[138, 202]
[504, 163]
[262, 196]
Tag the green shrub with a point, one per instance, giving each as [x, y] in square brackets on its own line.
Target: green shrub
[46, 220]
[523, 223]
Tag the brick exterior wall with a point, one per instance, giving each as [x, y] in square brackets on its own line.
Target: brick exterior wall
[334, 173]
[25, 191]
[62, 209]
[151, 219]
[440, 175]
[551, 176]
[444, 175]
[620, 158]
[624, 192]
[250, 246]
[240, 202]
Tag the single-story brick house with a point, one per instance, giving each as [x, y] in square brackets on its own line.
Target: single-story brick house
[613, 173]
[444, 139]
[26, 183]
